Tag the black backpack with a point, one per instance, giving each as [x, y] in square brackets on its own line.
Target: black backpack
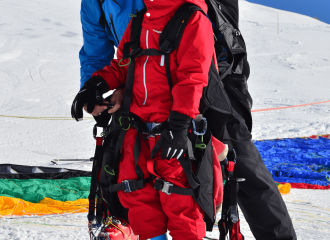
[215, 104]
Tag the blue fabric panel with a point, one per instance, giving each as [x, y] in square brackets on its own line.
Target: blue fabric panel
[297, 160]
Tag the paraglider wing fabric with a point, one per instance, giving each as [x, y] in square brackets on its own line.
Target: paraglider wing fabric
[34, 190]
[18, 207]
[302, 162]
[10, 171]
[27, 190]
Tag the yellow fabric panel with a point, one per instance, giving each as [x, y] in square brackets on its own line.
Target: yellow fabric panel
[15, 206]
[284, 188]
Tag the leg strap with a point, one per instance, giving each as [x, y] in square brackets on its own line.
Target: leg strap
[169, 188]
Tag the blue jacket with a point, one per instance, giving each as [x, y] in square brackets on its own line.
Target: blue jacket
[98, 49]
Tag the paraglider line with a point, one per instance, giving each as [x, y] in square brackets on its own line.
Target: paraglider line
[302, 105]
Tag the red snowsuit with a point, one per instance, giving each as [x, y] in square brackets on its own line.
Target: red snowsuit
[151, 212]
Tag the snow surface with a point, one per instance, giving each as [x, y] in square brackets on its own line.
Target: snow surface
[39, 77]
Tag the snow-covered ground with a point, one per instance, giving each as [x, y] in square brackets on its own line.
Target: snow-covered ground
[39, 77]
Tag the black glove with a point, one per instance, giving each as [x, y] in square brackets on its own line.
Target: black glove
[91, 93]
[174, 139]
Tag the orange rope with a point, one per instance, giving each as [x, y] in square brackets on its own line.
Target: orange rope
[302, 105]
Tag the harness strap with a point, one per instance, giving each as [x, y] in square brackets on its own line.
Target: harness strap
[138, 52]
[129, 185]
[187, 167]
[136, 153]
[136, 27]
[169, 188]
[99, 209]
[150, 52]
[171, 35]
[93, 188]
[222, 229]
[126, 103]
[168, 70]
[229, 216]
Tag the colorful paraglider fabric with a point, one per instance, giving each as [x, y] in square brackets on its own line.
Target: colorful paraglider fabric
[302, 162]
[26, 190]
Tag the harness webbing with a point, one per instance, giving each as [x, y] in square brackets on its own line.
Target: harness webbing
[93, 189]
[169, 188]
[129, 185]
[229, 222]
[170, 38]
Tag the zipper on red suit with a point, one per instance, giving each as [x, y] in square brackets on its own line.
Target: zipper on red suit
[144, 71]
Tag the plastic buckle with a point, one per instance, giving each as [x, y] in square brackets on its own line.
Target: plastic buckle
[204, 127]
[166, 186]
[127, 186]
[169, 48]
[234, 214]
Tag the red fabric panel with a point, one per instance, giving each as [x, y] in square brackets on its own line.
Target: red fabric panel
[307, 186]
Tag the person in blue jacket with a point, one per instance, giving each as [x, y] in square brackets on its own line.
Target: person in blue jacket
[102, 31]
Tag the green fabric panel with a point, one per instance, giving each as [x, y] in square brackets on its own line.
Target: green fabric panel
[34, 190]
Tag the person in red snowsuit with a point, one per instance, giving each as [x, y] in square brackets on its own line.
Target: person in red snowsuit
[152, 213]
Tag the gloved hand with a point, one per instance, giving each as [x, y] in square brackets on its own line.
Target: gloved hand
[91, 93]
[174, 139]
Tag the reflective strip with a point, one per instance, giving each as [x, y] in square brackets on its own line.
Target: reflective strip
[174, 153]
[180, 153]
[168, 152]
[82, 91]
[144, 72]
[162, 61]
[171, 135]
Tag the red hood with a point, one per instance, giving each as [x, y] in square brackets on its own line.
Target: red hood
[166, 8]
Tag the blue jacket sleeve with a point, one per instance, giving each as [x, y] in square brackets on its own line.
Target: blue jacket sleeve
[98, 49]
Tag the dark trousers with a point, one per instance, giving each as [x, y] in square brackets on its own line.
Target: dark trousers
[258, 197]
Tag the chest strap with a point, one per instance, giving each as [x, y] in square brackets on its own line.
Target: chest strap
[129, 185]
